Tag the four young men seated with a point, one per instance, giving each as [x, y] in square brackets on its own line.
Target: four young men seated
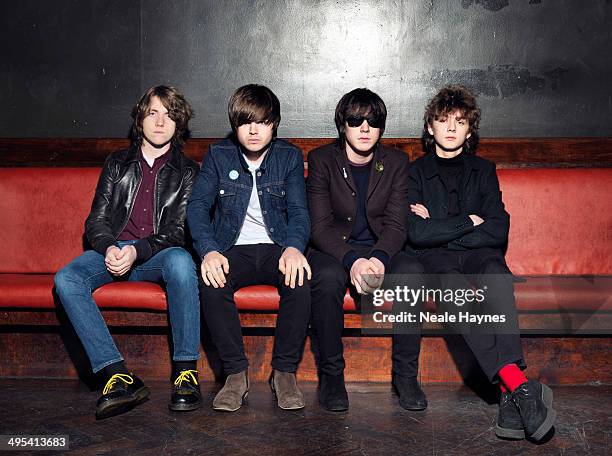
[364, 219]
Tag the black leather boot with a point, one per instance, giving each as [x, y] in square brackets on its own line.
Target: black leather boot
[122, 393]
[411, 396]
[186, 393]
[332, 393]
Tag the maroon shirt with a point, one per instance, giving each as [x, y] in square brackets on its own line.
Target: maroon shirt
[140, 224]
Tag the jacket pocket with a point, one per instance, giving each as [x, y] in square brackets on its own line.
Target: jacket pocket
[226, 198]
[278, 196]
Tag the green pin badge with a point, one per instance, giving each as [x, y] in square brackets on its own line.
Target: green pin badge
[379, 166]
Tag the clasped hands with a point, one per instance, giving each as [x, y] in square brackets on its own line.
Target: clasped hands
[367, 274]
[118, 261]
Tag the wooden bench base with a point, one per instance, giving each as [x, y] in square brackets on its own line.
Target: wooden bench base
[34, 345]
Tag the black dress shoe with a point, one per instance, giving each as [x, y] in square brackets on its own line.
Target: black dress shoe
[509, 423]
[122, 393]
[186, 394]
[411, 396]
[332, 393]
[534, 403]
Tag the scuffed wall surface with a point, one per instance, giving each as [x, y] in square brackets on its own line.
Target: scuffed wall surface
[68, 68]
[539, 67]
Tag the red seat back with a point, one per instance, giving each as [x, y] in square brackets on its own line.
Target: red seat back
[42, 213]
[560, 220]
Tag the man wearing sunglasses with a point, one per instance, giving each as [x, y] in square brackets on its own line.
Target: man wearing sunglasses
[357, 200]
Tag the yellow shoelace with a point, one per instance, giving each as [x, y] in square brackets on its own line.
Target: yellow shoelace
[186, 376]
[111, 381]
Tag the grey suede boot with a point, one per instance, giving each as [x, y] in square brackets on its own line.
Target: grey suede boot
[284, 386]
[235, 390]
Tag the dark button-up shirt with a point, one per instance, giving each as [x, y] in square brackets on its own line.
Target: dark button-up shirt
[140, 224]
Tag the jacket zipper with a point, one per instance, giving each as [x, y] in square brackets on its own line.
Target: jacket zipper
[155, 202]
[132, 206]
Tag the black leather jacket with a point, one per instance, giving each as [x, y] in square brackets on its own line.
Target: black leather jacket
[116, 192]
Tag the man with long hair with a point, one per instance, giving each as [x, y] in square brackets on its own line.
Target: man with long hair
[458, 226]
[137, 229]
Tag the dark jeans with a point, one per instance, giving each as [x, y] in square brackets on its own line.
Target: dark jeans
[329, 283]
[173, 267]
[256, 264]
[492, 350]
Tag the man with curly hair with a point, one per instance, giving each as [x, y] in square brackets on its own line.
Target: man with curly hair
[458, 226]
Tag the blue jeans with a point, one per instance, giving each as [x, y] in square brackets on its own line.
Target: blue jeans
[173, 266]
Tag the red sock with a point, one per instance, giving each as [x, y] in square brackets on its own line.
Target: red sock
[503, 388]
[511, 376]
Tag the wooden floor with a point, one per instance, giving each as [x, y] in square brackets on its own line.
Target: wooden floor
[456, 422]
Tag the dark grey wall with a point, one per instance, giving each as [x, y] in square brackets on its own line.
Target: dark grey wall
[68, 68]
[539, 67]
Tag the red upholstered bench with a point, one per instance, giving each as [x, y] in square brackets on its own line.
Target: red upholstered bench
[560, 233]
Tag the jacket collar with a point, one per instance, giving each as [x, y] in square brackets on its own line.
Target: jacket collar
[343, 164]
[174, 160]
[378, 163]
[378, 168]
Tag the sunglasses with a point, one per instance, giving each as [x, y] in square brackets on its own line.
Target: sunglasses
[356, 121]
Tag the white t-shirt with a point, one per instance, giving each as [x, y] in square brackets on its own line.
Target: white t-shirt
[253, 229]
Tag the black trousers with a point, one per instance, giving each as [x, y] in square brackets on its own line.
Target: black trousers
[329, 283]
[493, 349]
[256, 264]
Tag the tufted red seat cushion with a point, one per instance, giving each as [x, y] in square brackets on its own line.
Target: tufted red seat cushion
[36, 291]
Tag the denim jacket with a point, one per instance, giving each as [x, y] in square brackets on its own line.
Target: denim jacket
[220, 197]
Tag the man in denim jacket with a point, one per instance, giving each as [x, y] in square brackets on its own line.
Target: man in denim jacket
[249, 220]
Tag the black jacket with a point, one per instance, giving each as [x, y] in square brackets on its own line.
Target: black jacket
[480, 196]
[116, 192]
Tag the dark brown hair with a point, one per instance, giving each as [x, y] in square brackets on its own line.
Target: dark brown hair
[253, 103]
[448, 100]
[178, 108]
[359, 102]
